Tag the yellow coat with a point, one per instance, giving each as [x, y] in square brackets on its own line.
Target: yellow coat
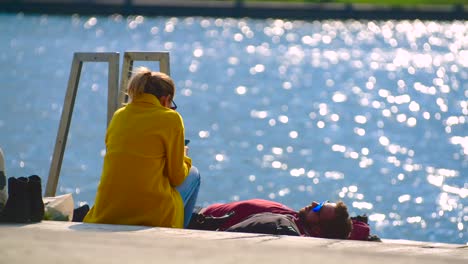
[144, 162]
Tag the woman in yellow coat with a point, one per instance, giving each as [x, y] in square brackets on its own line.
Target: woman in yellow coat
[147, 177]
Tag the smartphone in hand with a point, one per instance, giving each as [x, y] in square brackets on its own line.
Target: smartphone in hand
[187, 141]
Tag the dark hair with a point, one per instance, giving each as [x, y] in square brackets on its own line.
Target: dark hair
[340, 227]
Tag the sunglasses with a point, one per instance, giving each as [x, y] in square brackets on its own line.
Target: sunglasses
[319, 207]
[173, 106]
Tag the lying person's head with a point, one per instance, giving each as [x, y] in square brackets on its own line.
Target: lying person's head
[327, 220]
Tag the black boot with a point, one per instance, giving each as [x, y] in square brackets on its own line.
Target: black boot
[3, 189]
[80, 213]
[36, 203]
[17, 208]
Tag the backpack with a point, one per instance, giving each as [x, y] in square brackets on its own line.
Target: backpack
[267, 223]
[361, 229]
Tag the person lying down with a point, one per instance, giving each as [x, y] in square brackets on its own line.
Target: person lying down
[325, 219]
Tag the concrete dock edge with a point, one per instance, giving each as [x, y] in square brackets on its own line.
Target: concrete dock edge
[67, 242]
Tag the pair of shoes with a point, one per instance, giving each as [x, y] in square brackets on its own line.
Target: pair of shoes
[24, 202]
[3, 181]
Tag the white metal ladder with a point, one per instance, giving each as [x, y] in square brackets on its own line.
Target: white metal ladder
[130, 57]
[114, 99]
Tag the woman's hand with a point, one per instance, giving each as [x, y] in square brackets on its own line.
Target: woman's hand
[186, 148]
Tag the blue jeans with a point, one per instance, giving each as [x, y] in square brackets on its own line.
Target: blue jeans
[189, 192]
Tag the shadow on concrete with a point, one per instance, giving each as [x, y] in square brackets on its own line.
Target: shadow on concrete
[107, 228]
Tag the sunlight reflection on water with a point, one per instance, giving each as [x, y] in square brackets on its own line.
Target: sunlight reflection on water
[370, 112]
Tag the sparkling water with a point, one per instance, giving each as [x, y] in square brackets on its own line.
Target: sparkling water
[373, 113]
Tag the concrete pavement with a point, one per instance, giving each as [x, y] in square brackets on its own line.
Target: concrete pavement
[67, 242]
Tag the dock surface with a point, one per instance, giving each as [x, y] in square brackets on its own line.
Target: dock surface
[67, 242]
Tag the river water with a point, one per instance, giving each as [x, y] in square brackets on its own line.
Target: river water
[373, 113]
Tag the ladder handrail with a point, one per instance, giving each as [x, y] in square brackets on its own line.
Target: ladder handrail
[127, 67]
[112, 103]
